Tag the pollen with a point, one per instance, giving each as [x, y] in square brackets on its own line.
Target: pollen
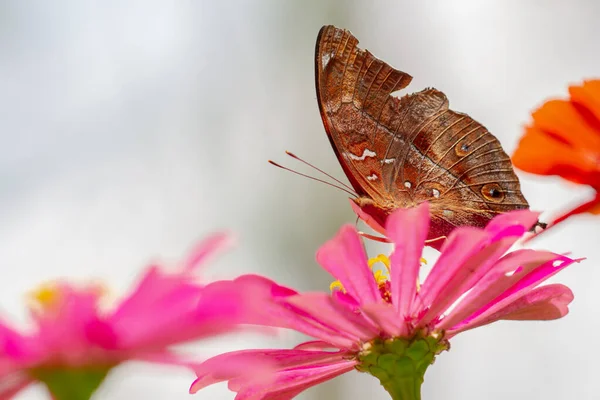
[45, 296]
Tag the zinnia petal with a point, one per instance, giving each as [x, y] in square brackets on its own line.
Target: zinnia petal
[564, 140]
[259, 368]
[524, 280]
[208, 248]
[588, 95]
[329, 313]
[291, 382]
[544, 303]
[344, 257]
[408, 229]
[467, 255]
[499, 278]
[272, 309]
[566, 122]
[541, 304]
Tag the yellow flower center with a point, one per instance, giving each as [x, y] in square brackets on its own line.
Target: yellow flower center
[45, 297]
[381, 276]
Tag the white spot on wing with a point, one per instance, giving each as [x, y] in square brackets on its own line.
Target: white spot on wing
[372, 177]
[388, 160]
[326, 58]
[366, 153]
[407, 184]
[436, 193]
[448, 213]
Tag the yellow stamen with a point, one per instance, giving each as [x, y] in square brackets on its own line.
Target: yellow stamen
[385, 260]
[336, 286]
[380, 277]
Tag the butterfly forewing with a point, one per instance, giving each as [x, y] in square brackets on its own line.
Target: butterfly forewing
[399, 152]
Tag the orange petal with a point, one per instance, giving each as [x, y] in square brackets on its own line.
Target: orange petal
[588, 95]
[539, 153]
[562, 119]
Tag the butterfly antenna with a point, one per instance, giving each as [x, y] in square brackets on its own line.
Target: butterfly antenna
[313, 178]
[289, 153]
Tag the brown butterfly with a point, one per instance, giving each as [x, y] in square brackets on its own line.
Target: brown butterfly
[398, 152]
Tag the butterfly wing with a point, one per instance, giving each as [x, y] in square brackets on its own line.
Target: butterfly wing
[403, 151]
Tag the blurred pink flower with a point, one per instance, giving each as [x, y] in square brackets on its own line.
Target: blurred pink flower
[393, 328]
[74, 339]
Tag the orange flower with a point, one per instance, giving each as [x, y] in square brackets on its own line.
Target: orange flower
[564, 140]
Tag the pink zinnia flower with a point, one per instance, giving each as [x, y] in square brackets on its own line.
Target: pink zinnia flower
[393, 328]
[75, 343]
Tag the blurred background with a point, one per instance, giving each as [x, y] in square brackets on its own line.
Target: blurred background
[130, 130]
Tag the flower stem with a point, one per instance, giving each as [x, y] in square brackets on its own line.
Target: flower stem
[400, 364]
[71, 383]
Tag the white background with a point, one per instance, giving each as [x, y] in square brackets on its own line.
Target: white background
[129, 130]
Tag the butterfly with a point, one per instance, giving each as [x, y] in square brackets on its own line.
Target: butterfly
[400, 151]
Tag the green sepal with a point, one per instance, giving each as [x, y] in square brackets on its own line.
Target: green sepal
[400, 363]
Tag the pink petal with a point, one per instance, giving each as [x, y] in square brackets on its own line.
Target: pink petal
[180, 311]
[466, 256]
[338, 318]
[207, 249]
[315, 345]
[344, 257]
[157, 288]
[64, 329]
[345, 299]
[263, 287]
[252, 367]
[525, 281]
[461, 245]
[292, 382]
[245, 364]
[12, 343]
[408, 229]
[154, 287]
[524, 218]
[544, 303]
[497, 280]
[386, 317]
[161, 311]
[273, 310]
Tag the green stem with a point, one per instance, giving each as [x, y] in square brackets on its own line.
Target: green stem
[71, 384]
[403, 389]
[400, 364]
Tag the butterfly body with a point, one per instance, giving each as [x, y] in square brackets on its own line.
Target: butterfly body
[400, 151]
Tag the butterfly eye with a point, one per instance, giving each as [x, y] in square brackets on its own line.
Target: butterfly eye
[493, 192]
